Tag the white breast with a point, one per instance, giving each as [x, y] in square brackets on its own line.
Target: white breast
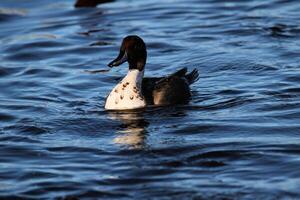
[127, 94]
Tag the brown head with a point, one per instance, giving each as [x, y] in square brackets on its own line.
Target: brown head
[133, 50]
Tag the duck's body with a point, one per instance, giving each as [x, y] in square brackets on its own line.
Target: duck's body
[172, 89]
[135, 91]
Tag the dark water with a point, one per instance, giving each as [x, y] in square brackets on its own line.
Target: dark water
[239, 138]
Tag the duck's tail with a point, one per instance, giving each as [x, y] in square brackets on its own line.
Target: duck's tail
[193, 76]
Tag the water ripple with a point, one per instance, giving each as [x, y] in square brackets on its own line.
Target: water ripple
[238, 138]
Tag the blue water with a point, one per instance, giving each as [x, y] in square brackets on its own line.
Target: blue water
[238, 138]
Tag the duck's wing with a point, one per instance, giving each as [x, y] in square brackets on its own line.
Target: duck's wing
[150, 83]
[165, 90]
[148, 86]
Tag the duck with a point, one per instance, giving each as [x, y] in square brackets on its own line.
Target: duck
[90, 3]
[135, 91]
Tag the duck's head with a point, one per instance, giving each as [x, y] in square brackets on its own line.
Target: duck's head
[133, 50]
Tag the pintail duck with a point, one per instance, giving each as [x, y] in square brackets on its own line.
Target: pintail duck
[134, 91]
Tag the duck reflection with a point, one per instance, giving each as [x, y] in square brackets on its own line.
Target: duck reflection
[132, 132]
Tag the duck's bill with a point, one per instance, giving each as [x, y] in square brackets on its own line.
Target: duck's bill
[122, 57]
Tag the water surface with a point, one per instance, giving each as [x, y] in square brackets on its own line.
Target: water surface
[238, 138]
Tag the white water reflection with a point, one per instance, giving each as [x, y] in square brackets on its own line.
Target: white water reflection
[132, 133]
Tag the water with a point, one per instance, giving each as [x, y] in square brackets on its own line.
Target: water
[239, 138]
